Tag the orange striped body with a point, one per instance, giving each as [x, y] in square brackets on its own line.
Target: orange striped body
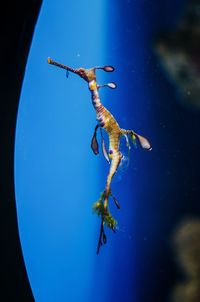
[110, 125]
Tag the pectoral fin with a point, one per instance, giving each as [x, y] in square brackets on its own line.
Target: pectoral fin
[127, 144]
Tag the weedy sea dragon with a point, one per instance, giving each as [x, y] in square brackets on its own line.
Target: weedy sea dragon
[106, 121]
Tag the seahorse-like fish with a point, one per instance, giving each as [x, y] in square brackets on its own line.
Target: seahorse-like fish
[107, 122]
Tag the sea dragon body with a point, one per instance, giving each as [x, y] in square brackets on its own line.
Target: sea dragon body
[107, 122]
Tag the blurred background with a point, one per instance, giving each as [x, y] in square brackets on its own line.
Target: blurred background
[154, 256]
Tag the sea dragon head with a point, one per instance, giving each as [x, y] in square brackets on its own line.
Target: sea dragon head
[87, 74]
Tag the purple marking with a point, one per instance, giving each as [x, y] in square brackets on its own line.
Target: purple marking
[111, 152]
[102, 124]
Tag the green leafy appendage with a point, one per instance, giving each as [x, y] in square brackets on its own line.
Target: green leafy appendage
[108, 219]
[133, 139]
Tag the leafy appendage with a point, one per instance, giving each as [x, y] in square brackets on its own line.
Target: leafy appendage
[133, 139]
[98, 208]
[107, 217]
[110, 221]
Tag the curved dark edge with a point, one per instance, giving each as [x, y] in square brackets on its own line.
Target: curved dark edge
[17, 22]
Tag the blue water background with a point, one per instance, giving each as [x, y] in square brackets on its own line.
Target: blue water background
[57, 177]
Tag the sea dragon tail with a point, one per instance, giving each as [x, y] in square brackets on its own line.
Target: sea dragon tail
[101, 206]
